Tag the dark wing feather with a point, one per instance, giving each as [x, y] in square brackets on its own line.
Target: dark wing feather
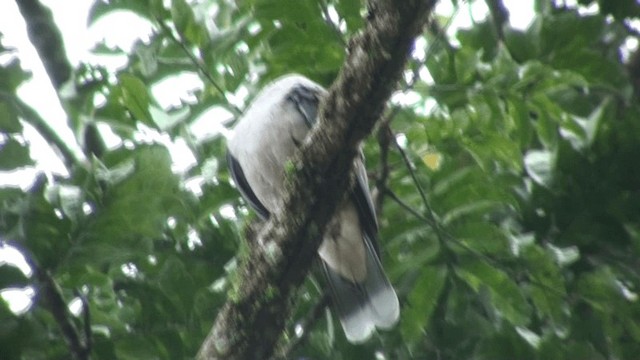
[241, 182]
[306, 102]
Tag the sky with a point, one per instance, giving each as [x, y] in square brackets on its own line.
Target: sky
[79, 39]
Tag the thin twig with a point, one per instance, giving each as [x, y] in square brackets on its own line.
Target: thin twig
[86, 317]
[408, 208]
[199, 65]
[334, 27]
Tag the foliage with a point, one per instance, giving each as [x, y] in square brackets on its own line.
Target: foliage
[524, 142]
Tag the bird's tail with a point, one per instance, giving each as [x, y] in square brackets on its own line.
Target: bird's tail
[367, 305]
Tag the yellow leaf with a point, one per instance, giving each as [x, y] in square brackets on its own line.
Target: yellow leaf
[432, 160]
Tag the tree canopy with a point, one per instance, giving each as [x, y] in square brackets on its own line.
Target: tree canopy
[504, 173]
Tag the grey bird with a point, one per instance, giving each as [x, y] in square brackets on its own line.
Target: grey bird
[264, 139]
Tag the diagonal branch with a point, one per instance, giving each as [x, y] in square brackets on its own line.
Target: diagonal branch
[46, 38]
[248, 326]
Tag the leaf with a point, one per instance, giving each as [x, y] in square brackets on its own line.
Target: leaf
[539, 166]
[9, 122]
[11, 276]
[177, 284]
[432, 160]
[12, 75]
[135, 208]
[68, 198]
[481, 236]
[14, 155]
[350, 12]
[523, 46]
[135, 98]
[423, 299]
[547, 287]
[185, 21]
[506, 296]
[481, 36]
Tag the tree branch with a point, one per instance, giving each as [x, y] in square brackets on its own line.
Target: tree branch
[54, 301]
[248, 326]
[32, 117]
[46, 38]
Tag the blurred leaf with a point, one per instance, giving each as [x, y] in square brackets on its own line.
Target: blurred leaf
[539, 166]
[547, 289]
[14, 155]
[135, 208]
[184, 19]
[422, 302]
[9, 122]
[522, 46]
[12, 75]
[136, 98]
[505, 294]
[11, 276]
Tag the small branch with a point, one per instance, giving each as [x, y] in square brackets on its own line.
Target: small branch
[285, 247]
[54, 301]
[408, 208]
[334, 27]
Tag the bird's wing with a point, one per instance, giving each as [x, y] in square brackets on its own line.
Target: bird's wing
[241, 182]
[361, 196]
[306, 102]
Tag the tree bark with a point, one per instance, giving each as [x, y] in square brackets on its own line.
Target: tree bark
[249, 324]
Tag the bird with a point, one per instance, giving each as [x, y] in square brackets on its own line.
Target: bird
[265, 137]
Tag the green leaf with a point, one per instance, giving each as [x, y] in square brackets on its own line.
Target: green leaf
[12, 75]
[186, 24]
[11, 276]
[135, 208]
[423, 299]
[14, 155]
[547, 287]
[481, 36]
[506, 296]
[9, 122]
[177, 284]
[68, 198]
[522, 45]
[135, 98]
[350, 12]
